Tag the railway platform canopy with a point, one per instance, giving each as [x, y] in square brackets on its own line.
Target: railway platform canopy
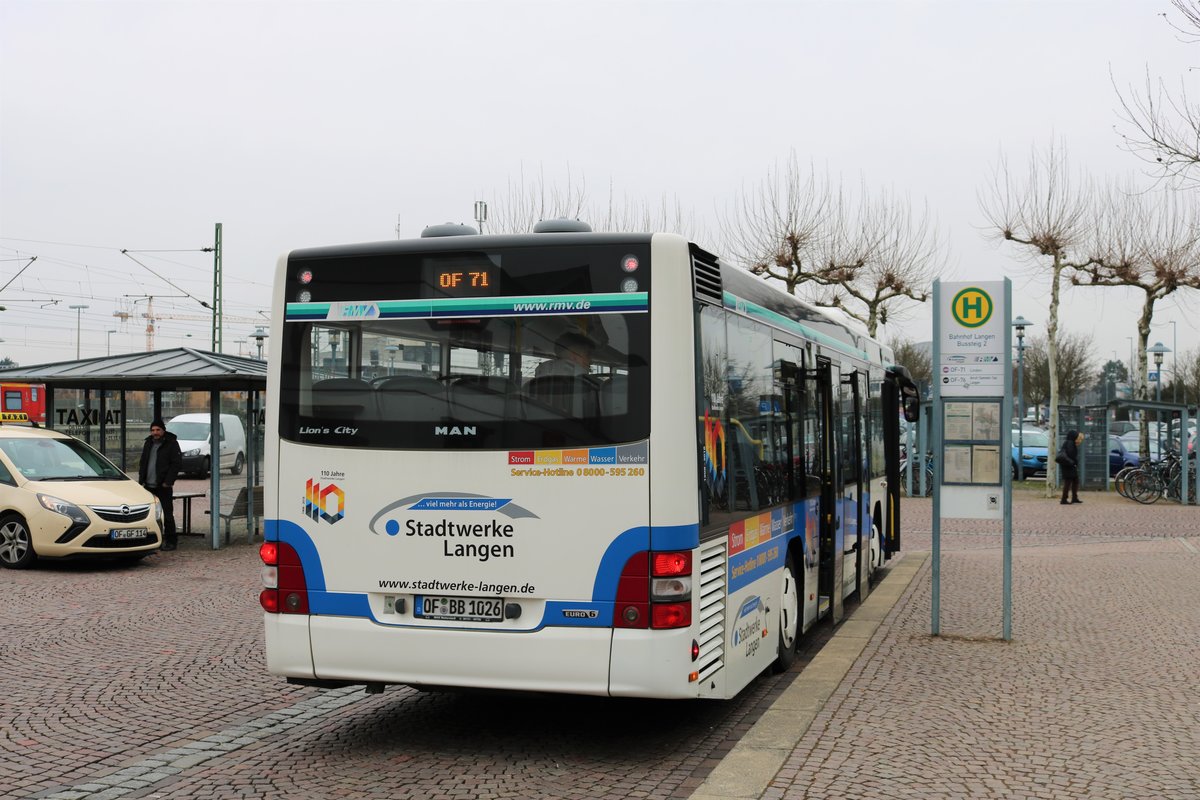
[109, 402]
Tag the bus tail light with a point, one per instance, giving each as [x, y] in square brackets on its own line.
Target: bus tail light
[671, 576]
[671, 615]
[285, 591]
[655, 591]
[633, 593]
[668, 565]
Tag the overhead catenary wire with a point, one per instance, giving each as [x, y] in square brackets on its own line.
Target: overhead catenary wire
[165, 280]
[22, 269]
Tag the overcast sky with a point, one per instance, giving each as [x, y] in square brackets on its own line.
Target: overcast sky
[139, 125]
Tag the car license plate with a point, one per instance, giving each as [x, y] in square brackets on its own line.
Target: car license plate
[460, 609]
[128, 533]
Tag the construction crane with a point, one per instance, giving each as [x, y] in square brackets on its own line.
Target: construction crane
[152, 317]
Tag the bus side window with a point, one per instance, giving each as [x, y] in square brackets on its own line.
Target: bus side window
[811, 454]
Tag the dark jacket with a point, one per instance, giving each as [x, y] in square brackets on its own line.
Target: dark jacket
[1070, 455]
[168, 464]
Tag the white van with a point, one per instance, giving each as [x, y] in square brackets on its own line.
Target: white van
[195, 440]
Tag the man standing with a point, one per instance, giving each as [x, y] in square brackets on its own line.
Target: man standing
[161, 461]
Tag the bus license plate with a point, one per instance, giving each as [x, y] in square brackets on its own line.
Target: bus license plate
[460, 609]
[128, 533]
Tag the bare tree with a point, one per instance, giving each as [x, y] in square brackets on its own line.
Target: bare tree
[631, 214]
[528, 200]
[1189, 377]
[863, 256]
[792, 227]
[1051, 216]
[1158, 125]
[1075, 365]
[907, 256]
[1037, 373]
[917, 358]
[1150, 242]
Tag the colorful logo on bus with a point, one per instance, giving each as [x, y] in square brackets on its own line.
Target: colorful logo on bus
[324, 502]
[714, 455]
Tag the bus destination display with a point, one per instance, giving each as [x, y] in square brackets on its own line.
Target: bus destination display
[474, 279]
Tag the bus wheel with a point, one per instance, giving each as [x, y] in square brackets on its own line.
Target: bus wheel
[789, 617]
[874, 552]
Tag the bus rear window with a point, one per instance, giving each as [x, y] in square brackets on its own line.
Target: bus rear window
[496, 382]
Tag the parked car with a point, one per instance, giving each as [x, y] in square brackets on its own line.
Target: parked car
[1132, 442]
[194, 434]
[1116, 427]
[1035, 449]
[60, 498]
[1120, 456]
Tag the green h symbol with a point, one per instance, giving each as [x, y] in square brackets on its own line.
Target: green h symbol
[969, 304]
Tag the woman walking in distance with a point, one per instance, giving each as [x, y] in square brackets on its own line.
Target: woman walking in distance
[1068, 459]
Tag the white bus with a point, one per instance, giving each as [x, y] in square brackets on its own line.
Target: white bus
[570, 462]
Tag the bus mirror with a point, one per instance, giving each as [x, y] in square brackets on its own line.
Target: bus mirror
[912, 408]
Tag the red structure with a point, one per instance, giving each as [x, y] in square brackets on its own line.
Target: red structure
[27, 398]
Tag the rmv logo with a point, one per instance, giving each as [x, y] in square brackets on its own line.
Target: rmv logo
[318, 499]
[972, 307]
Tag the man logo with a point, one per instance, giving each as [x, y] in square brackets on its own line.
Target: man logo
[972, 307]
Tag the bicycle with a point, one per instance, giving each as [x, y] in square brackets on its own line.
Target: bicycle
[916, 486]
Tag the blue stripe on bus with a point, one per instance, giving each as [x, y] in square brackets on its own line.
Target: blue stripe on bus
[608, 574]
[282, 530]
[759, 561]
[340, 604]
[659, 537]
[604, 589]
[675, 537]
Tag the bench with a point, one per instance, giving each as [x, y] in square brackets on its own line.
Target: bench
[241, 510]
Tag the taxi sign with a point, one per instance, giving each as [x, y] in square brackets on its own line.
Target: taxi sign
[13, 416]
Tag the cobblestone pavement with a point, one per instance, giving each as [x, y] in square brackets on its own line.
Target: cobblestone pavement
[147, 681]
[121, 681]
[1095, 696]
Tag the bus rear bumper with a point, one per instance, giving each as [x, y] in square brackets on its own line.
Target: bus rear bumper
[571, 660]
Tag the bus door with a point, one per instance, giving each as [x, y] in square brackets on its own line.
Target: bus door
[823, 381]
[857, 546]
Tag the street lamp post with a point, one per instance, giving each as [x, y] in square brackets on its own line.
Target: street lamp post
[1158, 351]
[1019, 324]
[108, 350]
[260, 334]
[78, 319]
[392, 349]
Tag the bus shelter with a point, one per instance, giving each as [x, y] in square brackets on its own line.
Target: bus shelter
[1166, 426]
[109, 403]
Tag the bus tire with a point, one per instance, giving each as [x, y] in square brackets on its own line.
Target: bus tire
[789, 617]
